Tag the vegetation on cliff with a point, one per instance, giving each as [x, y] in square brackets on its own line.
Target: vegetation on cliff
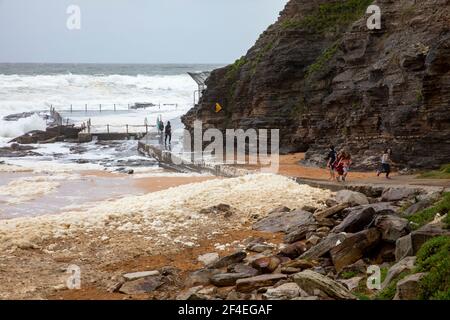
[330, 16]
[434, 260]
[425, 216]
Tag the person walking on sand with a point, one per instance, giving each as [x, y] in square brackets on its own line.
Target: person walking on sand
[339, 166]
[332, 157]
[347, 163]
[343, 166]
[385, 163]
[168, 133]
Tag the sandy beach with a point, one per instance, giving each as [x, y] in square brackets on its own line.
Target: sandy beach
[157, 221]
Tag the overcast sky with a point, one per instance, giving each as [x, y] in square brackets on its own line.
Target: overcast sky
[133, 31]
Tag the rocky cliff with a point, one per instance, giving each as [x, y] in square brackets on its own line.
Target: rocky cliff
[322, 77]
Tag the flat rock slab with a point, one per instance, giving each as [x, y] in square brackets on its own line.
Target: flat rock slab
[208, 258]
[354, 247]
[286, 291]
[299, 233]
[396, 194]
[142, 286]
[228, 279]
[324, 246]
[250, 284]
[409, 245]
[406, 264]
[392, 227]
[409, 288]
[379, 207]
[201, 277]
[139, 275]
[356, 220]
[326, 213]
[311, 281]
[283, 221]
[352, 197]
[229, 260]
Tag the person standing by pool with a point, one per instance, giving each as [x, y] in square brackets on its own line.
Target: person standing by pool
[168, 133]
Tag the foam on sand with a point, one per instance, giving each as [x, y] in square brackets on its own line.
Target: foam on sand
[29, 188]
[170, 215]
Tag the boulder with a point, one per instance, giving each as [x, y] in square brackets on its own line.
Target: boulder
[359, 267]
[396, 194]
[283, 221]
[227, 279]
[392, 227]
[324, 246]
[409, 288]
[326, 213]
[300, 264]
[352, 197]
[313, 240]
[309, 209]
[357, 220]
[250, 284]
[201, 277]
[290, 270]
[138, 275]
[228, 260]
[416, 207]
[221, 209]
[266, 265]
[188, 293]
[243, 268]
[142, 286]
[286, 291]
[351, 284]
[381, 208]
[354, 247]
[299, 233]
[208, 258]
[294, 250]
[409, 245]
[259, 247]
[310, 281]
[406, 264]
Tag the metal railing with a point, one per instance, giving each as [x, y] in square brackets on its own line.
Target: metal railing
[108, 107]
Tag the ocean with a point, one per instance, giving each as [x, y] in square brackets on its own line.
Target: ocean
[37, 87]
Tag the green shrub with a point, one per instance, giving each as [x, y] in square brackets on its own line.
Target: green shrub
[320, 62]
[235, 68]
[434, 260]
[330, 16]
[443, 173]
[425, 216]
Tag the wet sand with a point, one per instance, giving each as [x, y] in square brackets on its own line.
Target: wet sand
[153, 184]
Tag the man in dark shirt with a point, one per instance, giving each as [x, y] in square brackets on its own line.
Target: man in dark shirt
[332, 156]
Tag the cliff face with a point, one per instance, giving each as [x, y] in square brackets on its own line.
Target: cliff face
[323, 78]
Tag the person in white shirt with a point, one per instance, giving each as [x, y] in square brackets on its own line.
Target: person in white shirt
[386, 163]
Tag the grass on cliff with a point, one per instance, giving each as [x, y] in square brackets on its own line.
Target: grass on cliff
[319, 64]
[434, 260]
[427, 215]
[235, 68]
[330, 16]
[443, 173]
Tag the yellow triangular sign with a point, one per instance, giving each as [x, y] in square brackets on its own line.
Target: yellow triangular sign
[218, 107]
